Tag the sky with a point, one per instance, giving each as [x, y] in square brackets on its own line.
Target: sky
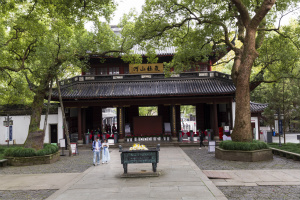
[124, 7]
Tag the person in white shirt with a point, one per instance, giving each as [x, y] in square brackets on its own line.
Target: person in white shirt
[105, 152]
[96, 150]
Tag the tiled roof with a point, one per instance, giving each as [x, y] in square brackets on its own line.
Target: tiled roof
[257, 107]
[161, 52]
[200, 86]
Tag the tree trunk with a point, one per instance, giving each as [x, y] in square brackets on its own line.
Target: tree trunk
[64, 118]
[242, 127]
[35, 138]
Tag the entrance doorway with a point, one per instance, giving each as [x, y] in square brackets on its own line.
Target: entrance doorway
[109, 119]
[53, 133]
[188, 118]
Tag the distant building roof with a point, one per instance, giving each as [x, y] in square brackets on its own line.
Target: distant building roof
[257, 107]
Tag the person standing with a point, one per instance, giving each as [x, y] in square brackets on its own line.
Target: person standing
[96, 149]
[201, 134]
[105, 152]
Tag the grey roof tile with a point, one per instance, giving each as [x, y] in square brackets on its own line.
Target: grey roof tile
[121, 89]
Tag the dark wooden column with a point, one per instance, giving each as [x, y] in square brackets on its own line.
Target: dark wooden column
[83, 113]
[121, 123]
[200, 116]
[215, 124]
[173, 122]
[79, 121]
[178, 119]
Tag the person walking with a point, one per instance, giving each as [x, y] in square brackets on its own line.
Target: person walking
[105, 152]
[96, 149]
[201, 135]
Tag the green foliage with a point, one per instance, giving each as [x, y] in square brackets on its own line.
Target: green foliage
[41, 152]
[291, 147]
[2, 149]
[8, 152]
[282, 96]
[148, 111]
[51, 148]
[187, 110]
[243, 146]
[20, 152]
[29, 152]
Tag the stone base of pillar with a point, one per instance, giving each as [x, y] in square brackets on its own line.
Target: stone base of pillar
[121, 140]
[174, 139]
[80, 142]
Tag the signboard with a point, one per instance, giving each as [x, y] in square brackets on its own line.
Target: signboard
[10, 133]
[62, 143]
[276, 126]
[146, 68]
[211, 146]
[226, 129]
[74, 148]
[5, 123]
[280, 127]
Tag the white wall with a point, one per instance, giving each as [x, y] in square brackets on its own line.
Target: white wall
[21, 126]
[255, 120]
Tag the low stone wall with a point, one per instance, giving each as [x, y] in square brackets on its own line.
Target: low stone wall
[245, 156]
[36, 160]
[287, 154]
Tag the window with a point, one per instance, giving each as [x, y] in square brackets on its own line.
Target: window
[148, 111]
[102, 71]
[113, 70]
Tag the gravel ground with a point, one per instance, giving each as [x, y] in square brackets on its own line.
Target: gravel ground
[76, 164]
[25, 194]
[66, 164]
[262, 192]
[207, 161]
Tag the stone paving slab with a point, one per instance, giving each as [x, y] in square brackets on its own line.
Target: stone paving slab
[173, 182]
[257, 177]
[35, 181]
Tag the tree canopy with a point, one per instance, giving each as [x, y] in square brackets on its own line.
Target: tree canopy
[41, 40]
[198, 28]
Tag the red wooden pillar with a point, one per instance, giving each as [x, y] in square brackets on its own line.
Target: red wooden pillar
[121, 122]
[216, 128]
[79, 122]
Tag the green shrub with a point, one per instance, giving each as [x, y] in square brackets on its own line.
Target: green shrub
[291, 147]
[243, 146]
[41, 152]
[23, 152]
[51, 148]
[8, 152]
[2, 149]
[29, 152]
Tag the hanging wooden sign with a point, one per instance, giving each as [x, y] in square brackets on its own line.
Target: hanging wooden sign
[146, 68]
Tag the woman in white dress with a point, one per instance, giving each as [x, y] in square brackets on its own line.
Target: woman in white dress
[105, 152]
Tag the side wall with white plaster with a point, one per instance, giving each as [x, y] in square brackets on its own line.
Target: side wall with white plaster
[21, 126]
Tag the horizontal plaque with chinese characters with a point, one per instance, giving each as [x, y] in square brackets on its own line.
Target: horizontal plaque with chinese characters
[146, 68]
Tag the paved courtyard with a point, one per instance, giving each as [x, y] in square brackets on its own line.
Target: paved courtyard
[182, 170]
